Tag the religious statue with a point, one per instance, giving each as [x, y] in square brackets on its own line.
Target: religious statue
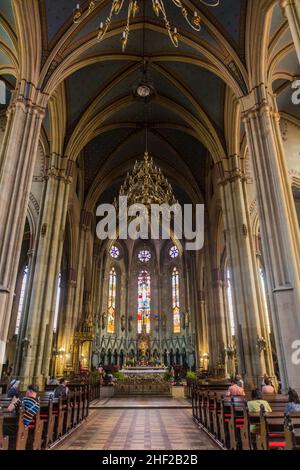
[123, 322]
[130, 324]
[187, 319]
[165, 357]
[164, 322]
[103, 317]
[144, 345]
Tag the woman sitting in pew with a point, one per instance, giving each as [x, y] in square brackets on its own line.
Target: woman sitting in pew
[254, 406]
[236, 389]
[293, 404]
[267, 388]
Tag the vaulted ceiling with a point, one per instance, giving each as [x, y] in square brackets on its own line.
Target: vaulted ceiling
[105, 123]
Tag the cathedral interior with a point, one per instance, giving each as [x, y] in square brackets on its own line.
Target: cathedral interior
[211, 115]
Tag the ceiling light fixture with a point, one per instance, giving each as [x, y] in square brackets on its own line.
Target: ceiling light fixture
[133, 8]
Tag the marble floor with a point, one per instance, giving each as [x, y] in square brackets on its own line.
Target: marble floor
[138, 429]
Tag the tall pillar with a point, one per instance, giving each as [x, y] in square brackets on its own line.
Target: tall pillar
[291, 9]
[85, 230]
[242, 263]
[17, 160]
[65, 328]
[279, 227]
[220, 320]
[39, 332]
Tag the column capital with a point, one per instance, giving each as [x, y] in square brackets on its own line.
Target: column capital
[29, 98]
[60, 168]
[259, 101]
[235, 173]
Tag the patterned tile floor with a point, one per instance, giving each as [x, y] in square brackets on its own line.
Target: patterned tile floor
[138, 429]
[141, 402]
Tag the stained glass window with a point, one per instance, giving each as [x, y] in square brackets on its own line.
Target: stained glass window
[144, 300]
[175, 301]
[111, 317]
[144, 256]
[21, 301]
[57, 304]
[114, 252]
[174, 252]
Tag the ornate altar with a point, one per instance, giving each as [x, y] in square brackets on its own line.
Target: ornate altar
[143, 346]
[142, 380]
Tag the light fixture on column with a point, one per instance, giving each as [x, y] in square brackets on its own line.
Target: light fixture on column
[133, 7]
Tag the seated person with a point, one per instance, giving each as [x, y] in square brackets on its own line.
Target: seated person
[53, 381]
[254, 406]
[293, 404]
[238, 378]
[236, 389]
[62, 390]
[268, 388]
[29, 404]
[13, 389]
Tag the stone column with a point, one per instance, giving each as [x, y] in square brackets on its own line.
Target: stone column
[220, 317]
[202, 326]
[279, 227]
[17, 160]
[85, 229]
[212, 321]
[65, 329]
[39, 331]
[242, 262]
[291, 9]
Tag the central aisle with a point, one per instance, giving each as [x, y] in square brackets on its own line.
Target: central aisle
[138, 429]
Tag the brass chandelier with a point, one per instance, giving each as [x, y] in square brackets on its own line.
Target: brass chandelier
[133, 8]
[147, 185]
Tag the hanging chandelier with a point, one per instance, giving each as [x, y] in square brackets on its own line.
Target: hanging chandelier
[147, 185]
[133, 8]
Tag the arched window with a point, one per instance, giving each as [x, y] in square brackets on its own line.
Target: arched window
[230, 301]
[21, 300]
[57, 303]
[111, 320]
[144, 301]
[175, 301]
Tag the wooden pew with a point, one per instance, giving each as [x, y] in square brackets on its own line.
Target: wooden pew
[236, 422]
[55, 418]
[292, 431]
[224, 417]
[14, 428]
[4, 440]
[68, 409]
[35, 433]
[48, 418]
[59, 412]
[271, 434]
[248, 440]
